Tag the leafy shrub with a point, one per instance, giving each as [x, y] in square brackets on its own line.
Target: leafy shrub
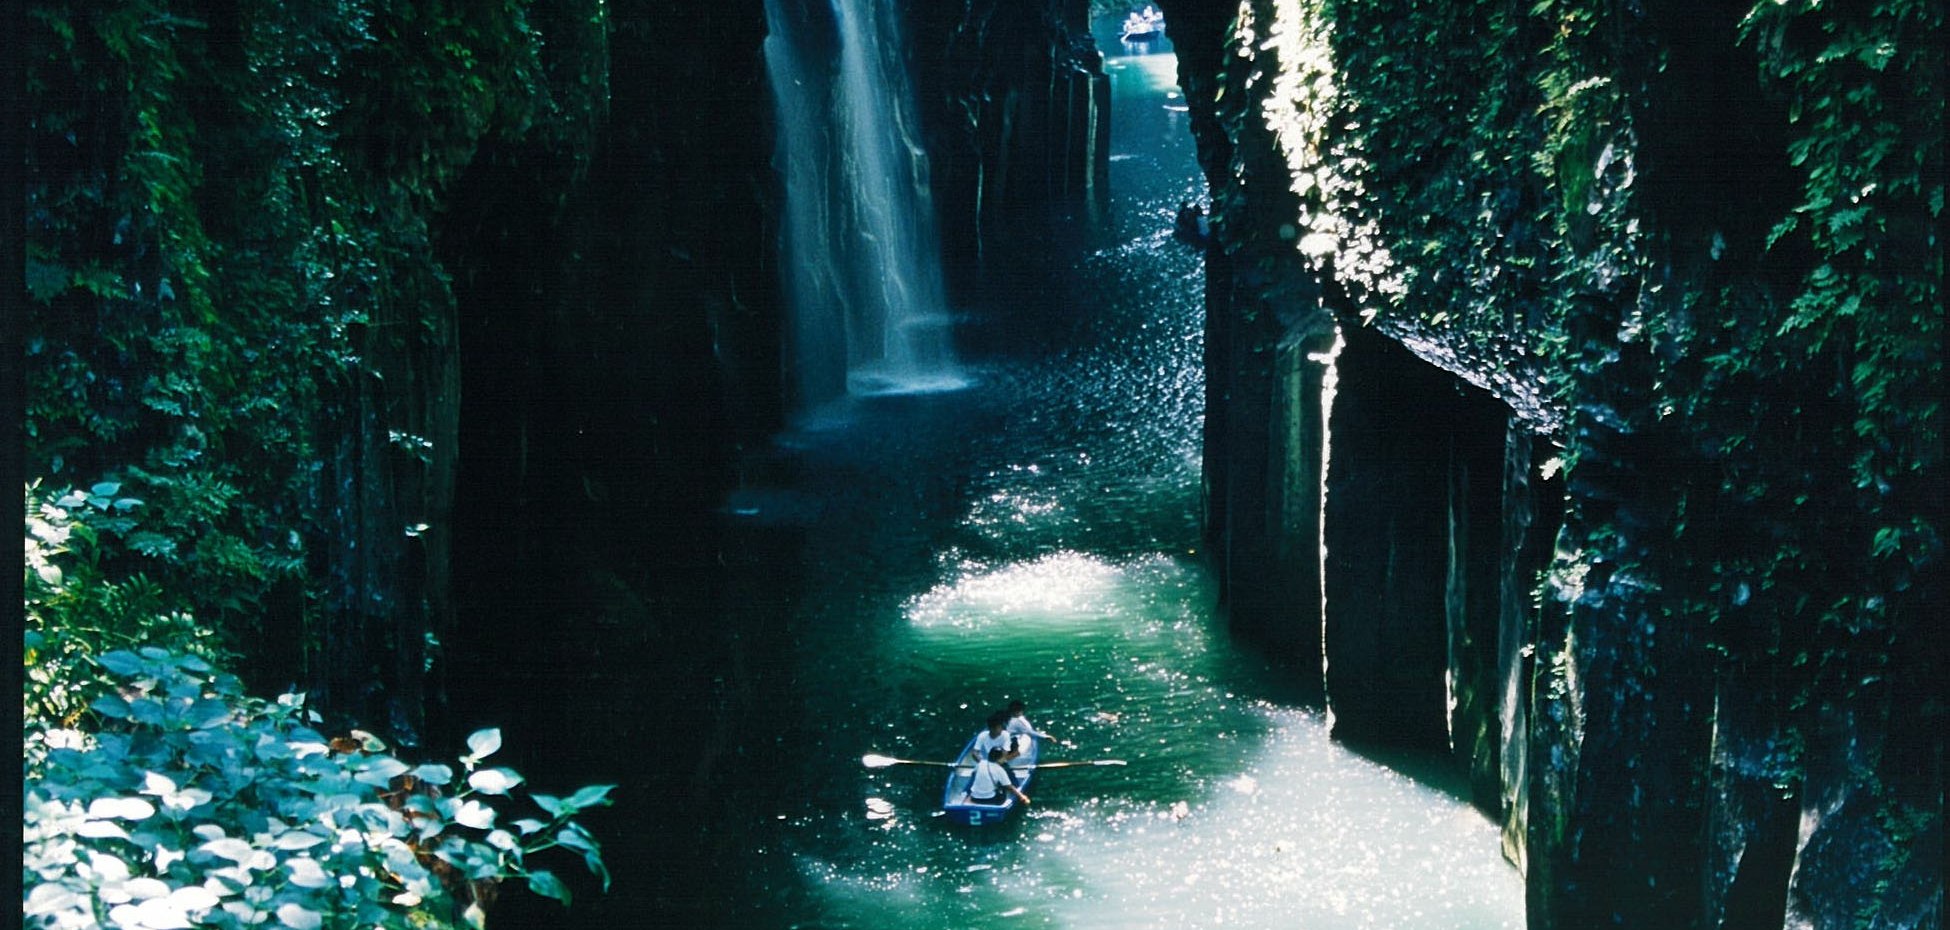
[196, 805]
[79, 607]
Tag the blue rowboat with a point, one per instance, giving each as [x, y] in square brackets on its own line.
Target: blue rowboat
[954, 797]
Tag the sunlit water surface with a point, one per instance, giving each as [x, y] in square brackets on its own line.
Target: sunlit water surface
[1035, 536]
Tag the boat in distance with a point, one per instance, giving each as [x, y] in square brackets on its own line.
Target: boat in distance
[1144, 25]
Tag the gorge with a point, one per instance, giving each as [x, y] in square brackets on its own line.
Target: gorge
[1525, 508]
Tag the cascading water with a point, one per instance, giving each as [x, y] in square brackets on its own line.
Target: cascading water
[863, 262]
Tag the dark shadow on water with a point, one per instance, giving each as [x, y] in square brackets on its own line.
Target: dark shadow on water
[1434, 770]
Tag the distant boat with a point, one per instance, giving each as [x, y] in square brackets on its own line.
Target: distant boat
[954, 797]
[1146, 25]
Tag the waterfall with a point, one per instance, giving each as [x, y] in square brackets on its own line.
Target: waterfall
[862, 262]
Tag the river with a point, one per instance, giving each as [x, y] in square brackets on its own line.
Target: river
[1034, 536]
[896, 565]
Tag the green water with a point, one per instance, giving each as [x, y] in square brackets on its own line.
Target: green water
[1034, 537]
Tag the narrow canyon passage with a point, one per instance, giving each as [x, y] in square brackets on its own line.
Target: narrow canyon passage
[527, 464]
[1034, 536]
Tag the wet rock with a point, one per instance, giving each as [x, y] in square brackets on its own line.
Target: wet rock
[1016, 106]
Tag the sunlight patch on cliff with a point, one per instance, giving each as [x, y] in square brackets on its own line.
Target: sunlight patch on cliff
[1300, 110]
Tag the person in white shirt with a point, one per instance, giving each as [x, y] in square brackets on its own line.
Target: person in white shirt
[995, 737]
[991, 779]
[1018, 725]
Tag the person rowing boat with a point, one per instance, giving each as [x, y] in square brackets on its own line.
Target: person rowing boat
[991, 779]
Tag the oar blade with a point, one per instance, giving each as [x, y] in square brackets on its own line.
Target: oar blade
[1075, 763]
[874, 760]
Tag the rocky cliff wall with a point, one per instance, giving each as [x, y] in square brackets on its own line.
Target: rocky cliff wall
[238, 316]
[1688, 253]
[1268, 335]
[1016, 107]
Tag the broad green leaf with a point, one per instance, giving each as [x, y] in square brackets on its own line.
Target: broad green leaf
[126, 664]
[295, 840]
[547, 885]
[434, 774]
[193, 898]
[474, 814]
[575, 837]
[121, 809]
[238, 851]
[306, 873]
[594, 861]
[591, 796]
[111, 706]
[101, 830]
[47, 898]
[146, 711]
[207, 713]
[153, 914]
[483, 743]
[493, 781]
[380, 771]
[108, 868]
[298, 917]
[142, 889]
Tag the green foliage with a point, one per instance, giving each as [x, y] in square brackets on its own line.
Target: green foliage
[229, 248]
[1791, 376]
[78, 607]
[1864, 93]
[158, 795]
[194, 805]
[234, 295]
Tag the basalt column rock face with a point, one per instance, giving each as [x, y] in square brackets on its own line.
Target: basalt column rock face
[1414, 517]
[1487, 515]
[1387, 546]
[1625, 698]
[1017, 111]
[384, 504]
[1533, 504]
[1267, 340]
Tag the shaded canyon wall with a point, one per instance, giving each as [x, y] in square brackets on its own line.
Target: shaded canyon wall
[1016, 108]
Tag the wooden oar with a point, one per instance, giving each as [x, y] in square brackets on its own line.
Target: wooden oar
[873, 761]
